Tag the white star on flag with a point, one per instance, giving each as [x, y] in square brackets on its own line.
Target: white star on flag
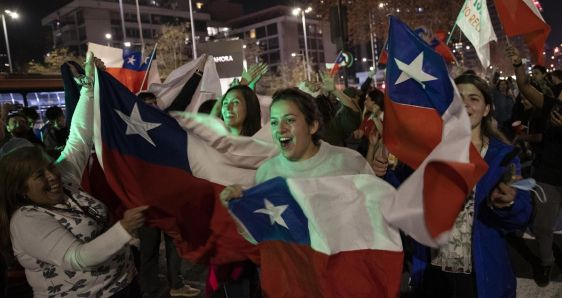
[413, 71]
[131, 60]
[136, 126]
[274, 213]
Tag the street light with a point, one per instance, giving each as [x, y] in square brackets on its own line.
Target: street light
[13, 15]
[296, 12]
[108, 37]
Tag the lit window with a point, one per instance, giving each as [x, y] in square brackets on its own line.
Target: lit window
[199, 5]
[253, 33]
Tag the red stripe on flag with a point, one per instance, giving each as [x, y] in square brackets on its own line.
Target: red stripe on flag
[132, 79]
[445, 187]
[517, 18]
[411, 132]
[293, 270]
[201, 227]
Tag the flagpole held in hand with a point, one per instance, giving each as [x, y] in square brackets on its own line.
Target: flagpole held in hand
[451, 34]
[148, 67]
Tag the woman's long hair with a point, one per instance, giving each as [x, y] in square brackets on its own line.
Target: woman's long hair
[487, 128]
[252, 122]
[15, 169]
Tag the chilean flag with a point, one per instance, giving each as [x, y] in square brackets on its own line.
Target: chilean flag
[521, 17]
[323, 237]
[426, 127]
[144, 155]
[337, 64]
[128, 67]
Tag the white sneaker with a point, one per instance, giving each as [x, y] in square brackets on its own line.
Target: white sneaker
[185, 291]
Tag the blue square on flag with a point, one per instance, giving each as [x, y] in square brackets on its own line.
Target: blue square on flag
[133, 60]
[269, 212]
[416, 74]
[133, 128]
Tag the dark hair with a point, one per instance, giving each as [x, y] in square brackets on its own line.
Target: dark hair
[207, 106]
[469, 72]
[501, 81]
[14, 115]
[15, 168]
[488, 129]
[557, 73]
[378, 97]
[30, 113]
[327, 107]
[144, 96]
[540, 68]
[252, 122]
[53, 113]
[305, 103]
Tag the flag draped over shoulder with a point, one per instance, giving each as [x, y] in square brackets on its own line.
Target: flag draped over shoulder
[474, 21]
[144, 156]
[323, 237]
[191, 84]
[128, 67]
[426, 127]
[521, 17]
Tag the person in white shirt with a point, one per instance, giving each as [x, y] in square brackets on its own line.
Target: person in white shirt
[57, 232]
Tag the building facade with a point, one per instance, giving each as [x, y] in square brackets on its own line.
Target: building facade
[82, 21]
[280, 36]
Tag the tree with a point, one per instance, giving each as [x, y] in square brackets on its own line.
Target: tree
[173, 47]
[52, 61]
[433, 14]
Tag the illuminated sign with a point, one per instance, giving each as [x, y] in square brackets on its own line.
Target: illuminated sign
[220, 59]
[228, 56]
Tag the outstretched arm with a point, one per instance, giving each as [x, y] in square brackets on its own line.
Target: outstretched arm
[525, 87]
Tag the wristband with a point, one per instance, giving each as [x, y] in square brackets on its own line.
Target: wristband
[83, 80]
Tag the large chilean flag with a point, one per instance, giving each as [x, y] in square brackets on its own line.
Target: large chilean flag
[323, 237]
[144, 155]
[426, 127]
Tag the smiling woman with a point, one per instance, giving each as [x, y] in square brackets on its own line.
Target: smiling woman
[240, 110]
[60, 234]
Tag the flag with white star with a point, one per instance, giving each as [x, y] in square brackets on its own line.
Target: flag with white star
[427, 127]
[312, 231]
[128, 66]
[143, 153]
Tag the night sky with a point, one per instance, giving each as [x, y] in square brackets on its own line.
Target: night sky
[28, 40]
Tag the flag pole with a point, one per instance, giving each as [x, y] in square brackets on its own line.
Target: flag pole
[149, 65]
[451, 34]
[140, 27]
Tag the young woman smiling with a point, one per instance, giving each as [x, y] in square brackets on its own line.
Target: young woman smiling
[475, 261]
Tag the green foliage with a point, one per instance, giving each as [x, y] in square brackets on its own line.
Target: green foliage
[433, 14]
[52, 61]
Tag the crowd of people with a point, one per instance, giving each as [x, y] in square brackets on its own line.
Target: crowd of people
[67, 245]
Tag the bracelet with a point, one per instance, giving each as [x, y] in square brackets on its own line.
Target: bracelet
[83, 80]
[518, 64]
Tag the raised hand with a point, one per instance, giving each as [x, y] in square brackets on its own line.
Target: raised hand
[254, 73]
[513, 54]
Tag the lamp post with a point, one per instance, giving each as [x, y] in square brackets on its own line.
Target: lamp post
[192, 31]
[13, 15]
[303, 12]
